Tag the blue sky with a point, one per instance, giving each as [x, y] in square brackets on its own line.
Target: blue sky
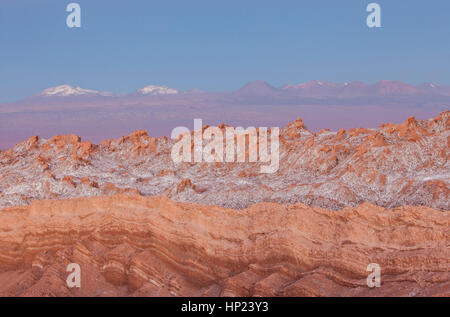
[218, 45]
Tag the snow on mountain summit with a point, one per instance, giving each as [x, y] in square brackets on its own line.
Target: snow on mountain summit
[157, 90]
[67, 90]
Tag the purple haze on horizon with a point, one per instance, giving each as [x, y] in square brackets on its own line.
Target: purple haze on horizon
[322, 105]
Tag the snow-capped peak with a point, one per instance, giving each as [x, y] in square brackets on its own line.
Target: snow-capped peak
[67, 90]
[157, 90]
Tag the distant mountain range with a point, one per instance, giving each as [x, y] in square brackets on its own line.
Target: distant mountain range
[69, 91]
[96, 115]
[66, 91]
[313, 89]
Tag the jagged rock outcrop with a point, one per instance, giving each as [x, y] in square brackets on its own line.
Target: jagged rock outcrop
[393, 165]
[152, 246]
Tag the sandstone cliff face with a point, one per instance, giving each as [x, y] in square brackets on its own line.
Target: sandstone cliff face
[393, 165]
[152, 246]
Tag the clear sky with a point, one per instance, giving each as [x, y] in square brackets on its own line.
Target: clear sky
[218, 45]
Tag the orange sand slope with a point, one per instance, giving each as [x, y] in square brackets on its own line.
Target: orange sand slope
[153, 246]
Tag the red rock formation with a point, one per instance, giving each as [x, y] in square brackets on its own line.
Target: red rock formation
[390, 166]
[152, 246]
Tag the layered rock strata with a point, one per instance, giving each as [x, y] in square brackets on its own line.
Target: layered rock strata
[130, 245]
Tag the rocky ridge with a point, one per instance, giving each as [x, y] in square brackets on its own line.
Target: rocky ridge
[390, 166]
